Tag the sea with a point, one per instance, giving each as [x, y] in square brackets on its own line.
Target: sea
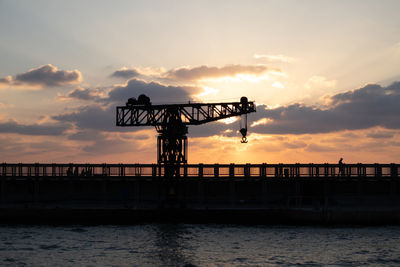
[199, 245]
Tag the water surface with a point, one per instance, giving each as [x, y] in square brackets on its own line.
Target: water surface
[198, 245]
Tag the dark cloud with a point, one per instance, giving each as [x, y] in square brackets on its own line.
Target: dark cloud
[125, 73]
[363, 108]
[100, 142]
[6, 81]
[79, 93]
[32, 129]
[103, 117]
[86, 135]
[380, 135]
[214, 128]
[47, 75]
[320, 148]
[91, 117]
[157, 92]
[201, 72]
[110, 146]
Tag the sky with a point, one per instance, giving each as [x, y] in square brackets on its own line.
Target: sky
[324, 76]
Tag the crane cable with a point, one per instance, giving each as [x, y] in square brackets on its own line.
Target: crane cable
[243, 130]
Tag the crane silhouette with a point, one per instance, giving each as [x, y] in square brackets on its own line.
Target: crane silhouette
[172, 120]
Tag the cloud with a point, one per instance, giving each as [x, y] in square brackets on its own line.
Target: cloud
[85, 94]
[126, 73]
[46, 75]
[5, 82]
[156, 91]
[91, 117]
[101, 142]
[205, 72]
[275, 58]
[12, 126]
[111, 146]
[101, 116]
[380, 134]
[363, 108]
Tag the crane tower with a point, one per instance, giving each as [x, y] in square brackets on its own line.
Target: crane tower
[172, 120]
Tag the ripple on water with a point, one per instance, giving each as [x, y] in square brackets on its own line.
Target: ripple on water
[78, 230]
[49, 247]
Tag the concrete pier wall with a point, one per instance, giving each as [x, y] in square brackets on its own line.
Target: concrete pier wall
[121, 199]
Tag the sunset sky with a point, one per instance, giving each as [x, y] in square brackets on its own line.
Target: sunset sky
[325, 76]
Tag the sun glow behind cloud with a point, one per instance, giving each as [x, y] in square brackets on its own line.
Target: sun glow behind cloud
[239, 78]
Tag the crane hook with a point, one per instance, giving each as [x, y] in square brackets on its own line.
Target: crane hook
[243, 131]
[243, 128]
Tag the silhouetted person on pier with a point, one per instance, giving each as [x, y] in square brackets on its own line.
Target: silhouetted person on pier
[341, 167]
[76, 171]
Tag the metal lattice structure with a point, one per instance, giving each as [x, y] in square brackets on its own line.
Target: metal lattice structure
[172, 121]
[189, 114]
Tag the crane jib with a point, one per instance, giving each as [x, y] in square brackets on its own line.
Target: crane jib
[190, 114]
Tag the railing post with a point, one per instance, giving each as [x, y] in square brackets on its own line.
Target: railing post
[185, 171]
[297, 169]
[3, 169]
[121, 169]
[378, 170]
[20, 169]
[247, 170]
[153, 170]
[394, 172]
[232, 170]
[137, 170]
[159, 167]
[216, 170]
[201, 170]
[326, 170]
[317, 171]
[103, 170]
[263, 170]
[36, 169]
[363, 171]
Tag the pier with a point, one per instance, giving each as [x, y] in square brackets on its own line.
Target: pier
[201, 193]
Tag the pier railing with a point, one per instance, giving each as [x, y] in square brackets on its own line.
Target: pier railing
[202, 170]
